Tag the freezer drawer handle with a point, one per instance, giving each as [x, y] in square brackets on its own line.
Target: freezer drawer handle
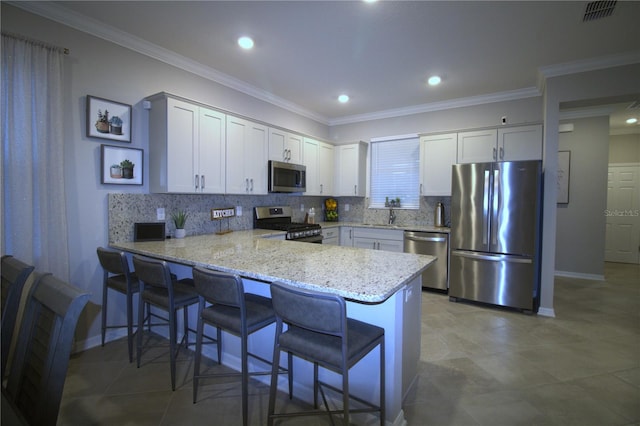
[428, 239]
[491, 257]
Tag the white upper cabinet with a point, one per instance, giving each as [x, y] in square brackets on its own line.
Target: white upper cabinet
[503, 144]
[318, 157]
[187, 147]
[285, 146]
[351, 169]
[247, 145]
[437, 154]
[520, 143]
[477, 146]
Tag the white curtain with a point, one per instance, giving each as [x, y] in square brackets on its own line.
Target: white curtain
[34, 219]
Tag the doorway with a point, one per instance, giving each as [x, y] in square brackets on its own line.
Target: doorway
[623, 214]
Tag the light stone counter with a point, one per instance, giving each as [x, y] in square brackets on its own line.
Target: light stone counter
[366, 276]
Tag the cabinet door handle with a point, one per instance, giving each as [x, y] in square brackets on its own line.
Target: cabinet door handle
[197, 181]
[246, 181]
[420, 188]
[355, 189]
[284, 154]
[251, 180]
[495, 157]
[501, 153]
[202, 182]
[321, 190]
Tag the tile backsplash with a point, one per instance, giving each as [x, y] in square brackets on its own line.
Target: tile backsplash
[126, 209]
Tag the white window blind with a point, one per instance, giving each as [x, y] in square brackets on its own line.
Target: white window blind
[395, 172]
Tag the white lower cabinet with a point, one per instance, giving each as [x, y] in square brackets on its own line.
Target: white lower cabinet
[346, 236]
[379, 239]
[331, 236]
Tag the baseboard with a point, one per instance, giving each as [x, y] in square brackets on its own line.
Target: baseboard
[547, 312]
[567, 274]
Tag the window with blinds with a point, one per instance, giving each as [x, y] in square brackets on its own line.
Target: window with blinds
[395, 172]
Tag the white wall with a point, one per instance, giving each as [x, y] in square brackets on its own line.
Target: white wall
[103, 69]
[580, 238]
[624, 148]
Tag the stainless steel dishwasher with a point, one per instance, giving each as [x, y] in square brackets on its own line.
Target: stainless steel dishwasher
[436, 276]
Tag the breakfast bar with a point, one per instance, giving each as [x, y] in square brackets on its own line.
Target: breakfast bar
[381, 288]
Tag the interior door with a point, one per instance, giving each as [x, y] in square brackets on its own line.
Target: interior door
[623, 214]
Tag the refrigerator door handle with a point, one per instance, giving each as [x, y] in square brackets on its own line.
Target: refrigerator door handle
[485, 206]
[491, 257]
[495, 211]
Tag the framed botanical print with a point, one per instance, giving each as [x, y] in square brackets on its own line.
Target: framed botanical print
[108, 119]
[121, 166]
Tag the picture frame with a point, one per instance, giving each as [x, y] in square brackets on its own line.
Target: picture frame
[564, 171]
[108, 119]
[115, 162]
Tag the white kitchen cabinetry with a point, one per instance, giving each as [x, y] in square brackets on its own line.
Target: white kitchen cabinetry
[437, 154]
[186, 147]
[351, 168]
[379, 239]
[331, 236]
[285, 146]
[346, 236]
[318, 157]
[247, 144]
[520, 143]
[504, 144]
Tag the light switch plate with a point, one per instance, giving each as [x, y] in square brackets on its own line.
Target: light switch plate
[238, 211]
[160, 213]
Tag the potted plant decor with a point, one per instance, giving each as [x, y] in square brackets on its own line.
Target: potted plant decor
[127, 169]
[179, 220]
[102, 124]
[116, 125]
[115, 171]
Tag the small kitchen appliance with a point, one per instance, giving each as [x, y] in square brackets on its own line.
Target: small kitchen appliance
[279, 218]
[439, 215]
[287, 177]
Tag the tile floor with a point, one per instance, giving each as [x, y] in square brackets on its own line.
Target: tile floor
[478, 366]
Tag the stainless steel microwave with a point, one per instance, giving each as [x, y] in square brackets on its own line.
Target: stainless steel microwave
[287, 177]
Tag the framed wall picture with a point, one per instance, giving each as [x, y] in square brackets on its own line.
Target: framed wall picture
[564, 167]
[108, 119]
[121, 166]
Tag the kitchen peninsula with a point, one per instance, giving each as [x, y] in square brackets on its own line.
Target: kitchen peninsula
[381, 288]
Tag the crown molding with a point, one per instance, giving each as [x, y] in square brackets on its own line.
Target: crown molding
[98, 29]
[529, 92]
[592, 64]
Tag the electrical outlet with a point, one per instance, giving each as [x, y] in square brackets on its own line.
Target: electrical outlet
[346, 207]
[504, 120]
[238, 211]
[160, 213]
[301, 207]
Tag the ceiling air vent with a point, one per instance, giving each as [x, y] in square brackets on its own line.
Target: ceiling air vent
[634, 105]
[598, 10]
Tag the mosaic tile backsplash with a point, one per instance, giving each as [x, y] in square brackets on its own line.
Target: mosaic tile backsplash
[126, 209]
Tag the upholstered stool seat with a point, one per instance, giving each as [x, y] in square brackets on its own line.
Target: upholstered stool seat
[319, 331]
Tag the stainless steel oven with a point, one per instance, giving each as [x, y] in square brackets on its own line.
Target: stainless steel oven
[279, 218]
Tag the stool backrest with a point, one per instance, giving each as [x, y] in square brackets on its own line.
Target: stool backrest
[219, 287]
[14, 277]
[42, 353]
[152, 272]
[114, 262]
[315, 311]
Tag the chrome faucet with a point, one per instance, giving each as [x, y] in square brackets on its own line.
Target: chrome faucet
[392, 216]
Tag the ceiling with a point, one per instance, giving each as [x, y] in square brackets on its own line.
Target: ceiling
[381, 54]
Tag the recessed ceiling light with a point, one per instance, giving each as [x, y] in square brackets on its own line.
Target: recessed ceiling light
[434, 80]
[370, 1]
[245, 42]
[343, 99]
[632, 121]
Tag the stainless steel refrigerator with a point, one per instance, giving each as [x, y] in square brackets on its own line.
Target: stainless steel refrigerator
[495, 233]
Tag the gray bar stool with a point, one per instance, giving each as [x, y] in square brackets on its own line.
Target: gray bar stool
[118, 277]
[159, 288]
[224, 305]
[319, 331]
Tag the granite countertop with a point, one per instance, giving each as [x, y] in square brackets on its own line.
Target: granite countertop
[361, 275]
[420, 228]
